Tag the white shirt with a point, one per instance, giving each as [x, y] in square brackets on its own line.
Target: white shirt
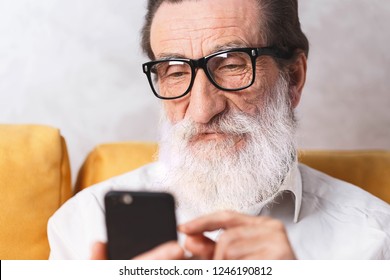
[325, 218]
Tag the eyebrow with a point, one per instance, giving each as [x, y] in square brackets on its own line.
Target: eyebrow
[228, 46]
[218, 48]
[163, 56]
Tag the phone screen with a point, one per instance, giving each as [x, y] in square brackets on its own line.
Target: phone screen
[137, 222]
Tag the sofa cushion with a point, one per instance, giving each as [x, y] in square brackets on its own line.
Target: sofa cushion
[368, 169]
[111, 159]
[34, 182]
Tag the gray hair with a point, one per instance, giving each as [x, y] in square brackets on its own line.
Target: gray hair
[281, 27]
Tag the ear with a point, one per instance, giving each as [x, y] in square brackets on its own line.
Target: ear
[297, 72]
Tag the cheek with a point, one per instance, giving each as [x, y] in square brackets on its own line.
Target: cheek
[252, 100]
[175, 111]
[257, 96]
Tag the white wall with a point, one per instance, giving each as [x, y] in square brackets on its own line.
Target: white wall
[346, 102]
[76, 65]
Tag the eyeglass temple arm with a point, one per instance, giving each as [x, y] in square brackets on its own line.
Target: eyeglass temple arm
[273, 51]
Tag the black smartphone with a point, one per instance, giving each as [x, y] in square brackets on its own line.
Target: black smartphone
[137, 222]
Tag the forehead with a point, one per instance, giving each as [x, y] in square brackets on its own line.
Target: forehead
[197, 28]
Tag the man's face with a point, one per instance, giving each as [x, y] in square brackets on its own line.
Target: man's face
[193, 29]
[222, 150]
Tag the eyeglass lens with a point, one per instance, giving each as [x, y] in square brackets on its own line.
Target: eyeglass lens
[230, 70]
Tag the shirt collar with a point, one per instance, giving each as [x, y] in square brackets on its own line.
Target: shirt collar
[292, 184]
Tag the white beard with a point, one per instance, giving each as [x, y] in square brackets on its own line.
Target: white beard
[207, 176]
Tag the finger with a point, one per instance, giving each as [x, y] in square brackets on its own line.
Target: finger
[225, 219]
[268, 256]
[166, 251]
[240, 249]
[200, 246]
[261, 242]
[224, 248]
[99, 251]
[274, 246]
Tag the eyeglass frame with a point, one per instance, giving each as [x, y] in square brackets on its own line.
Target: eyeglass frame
[195, 64]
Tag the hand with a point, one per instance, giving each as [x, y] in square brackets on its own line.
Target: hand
[166, 251]
[99, 251]
[244, 237]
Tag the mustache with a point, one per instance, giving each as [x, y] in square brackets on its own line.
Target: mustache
[228, 122]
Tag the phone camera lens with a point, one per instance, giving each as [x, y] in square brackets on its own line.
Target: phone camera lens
[127, 199]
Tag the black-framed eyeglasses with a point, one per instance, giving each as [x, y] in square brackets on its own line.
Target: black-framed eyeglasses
[229, 70]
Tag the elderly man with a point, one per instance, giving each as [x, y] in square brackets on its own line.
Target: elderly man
[230, 73]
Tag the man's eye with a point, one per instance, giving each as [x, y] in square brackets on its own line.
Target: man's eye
[177, 71]
[176, 74]
[232, 66]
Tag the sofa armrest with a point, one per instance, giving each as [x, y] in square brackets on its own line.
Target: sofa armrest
[34, 181]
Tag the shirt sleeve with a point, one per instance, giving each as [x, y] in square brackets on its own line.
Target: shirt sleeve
[75, 227]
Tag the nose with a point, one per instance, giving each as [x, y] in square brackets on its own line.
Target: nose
[206, 101]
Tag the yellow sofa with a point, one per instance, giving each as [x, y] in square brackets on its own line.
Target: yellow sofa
[34, 182]
[35, 179]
